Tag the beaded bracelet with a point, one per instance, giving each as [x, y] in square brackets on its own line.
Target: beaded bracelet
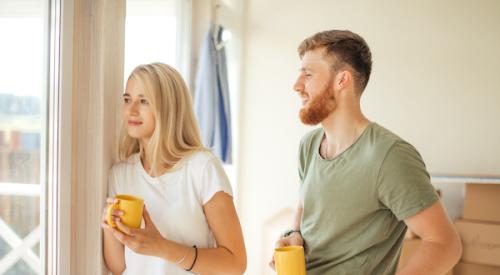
[195, 257]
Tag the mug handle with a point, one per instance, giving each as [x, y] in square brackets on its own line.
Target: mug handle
[109, 218]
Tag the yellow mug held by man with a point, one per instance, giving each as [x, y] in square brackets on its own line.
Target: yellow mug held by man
[289, 260]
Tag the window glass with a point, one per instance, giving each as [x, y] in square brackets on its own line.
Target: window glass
[23, 88]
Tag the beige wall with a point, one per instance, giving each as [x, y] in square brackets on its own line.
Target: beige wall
[435, 82]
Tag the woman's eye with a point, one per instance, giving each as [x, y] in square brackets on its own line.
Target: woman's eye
[144, 101]
[126, 100]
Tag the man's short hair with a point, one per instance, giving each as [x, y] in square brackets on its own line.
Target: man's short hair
[344, 48]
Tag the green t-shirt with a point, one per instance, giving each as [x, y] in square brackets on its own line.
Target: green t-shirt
[355, 204]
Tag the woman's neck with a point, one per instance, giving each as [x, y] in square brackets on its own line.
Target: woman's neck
[161, 169]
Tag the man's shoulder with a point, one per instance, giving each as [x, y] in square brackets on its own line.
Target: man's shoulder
[383, 138]
[310, 136]
[389, 142]
[383, 134]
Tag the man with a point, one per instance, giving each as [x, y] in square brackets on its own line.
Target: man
[361, 185]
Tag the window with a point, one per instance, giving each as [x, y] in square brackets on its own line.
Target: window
[158, 31]
[23, 90]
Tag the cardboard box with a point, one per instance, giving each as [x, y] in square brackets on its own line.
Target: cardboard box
[480, 242]
[475, 269]
[482, 202]
[408, 249]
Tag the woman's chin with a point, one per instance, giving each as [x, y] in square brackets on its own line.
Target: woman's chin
[134, 134]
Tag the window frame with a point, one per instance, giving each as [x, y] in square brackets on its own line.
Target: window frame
[56, 194]
[60, 230]
[184, 38]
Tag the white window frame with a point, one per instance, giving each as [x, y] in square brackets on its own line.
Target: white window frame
[56, 198]
[184, 38]
[183, 35]
[57, 249]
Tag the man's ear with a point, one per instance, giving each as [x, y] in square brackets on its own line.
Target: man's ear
[343, 79]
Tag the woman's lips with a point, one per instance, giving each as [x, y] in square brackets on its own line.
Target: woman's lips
[134, 123]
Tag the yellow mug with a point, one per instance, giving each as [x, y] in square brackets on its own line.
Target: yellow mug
[289, 260]
[132, 211]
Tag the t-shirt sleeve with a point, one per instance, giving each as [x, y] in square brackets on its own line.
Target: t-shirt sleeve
[403, 182]
[301, 164]
[213, 180]
[112, 188]
[305, 149]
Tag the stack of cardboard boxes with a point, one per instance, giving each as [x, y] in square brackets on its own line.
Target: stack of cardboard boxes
[479, 229]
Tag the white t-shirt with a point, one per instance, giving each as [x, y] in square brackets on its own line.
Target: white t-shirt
[175, 203]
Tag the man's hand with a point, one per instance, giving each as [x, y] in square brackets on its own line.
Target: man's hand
[293, 239]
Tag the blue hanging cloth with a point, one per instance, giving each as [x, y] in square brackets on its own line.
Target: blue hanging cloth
[211, 99]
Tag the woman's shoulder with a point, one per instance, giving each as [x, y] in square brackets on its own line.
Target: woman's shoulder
[126, 163]
[201, 156]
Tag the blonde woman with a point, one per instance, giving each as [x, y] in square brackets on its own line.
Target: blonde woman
[190, 222]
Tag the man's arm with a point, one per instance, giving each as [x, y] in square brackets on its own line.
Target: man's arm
[441, 247]
[294, 238]
[297, 217]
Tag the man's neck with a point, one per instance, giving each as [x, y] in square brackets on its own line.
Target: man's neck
[342, 128]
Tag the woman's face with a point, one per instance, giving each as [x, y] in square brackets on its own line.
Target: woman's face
[137, 112]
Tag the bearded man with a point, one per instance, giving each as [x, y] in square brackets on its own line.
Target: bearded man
[362, 186]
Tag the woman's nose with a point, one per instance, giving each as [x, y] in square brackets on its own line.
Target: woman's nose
[132, 109]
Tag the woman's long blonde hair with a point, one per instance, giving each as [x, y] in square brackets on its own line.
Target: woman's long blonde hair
[176, 134]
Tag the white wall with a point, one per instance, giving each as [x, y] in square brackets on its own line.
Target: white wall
[434, 82]
[228, 14]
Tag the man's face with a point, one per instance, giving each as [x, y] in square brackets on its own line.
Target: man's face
[315, 87]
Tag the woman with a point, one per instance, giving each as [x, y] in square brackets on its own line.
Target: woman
[190, 222]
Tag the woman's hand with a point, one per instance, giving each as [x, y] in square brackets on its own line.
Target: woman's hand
[116, 214]
[114, 255]
[146, 241]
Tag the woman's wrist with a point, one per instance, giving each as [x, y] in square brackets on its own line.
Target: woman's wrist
[183, 259]
[175, 253]
[165, 250]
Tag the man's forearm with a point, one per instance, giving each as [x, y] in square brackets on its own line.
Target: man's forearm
[433, 258]
[297, 218]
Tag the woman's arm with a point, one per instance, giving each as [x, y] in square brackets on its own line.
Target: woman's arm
[113, 250]
[228, 258]
[230, 255]
[113, 253]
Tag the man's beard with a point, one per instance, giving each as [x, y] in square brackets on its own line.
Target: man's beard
[319, 107]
